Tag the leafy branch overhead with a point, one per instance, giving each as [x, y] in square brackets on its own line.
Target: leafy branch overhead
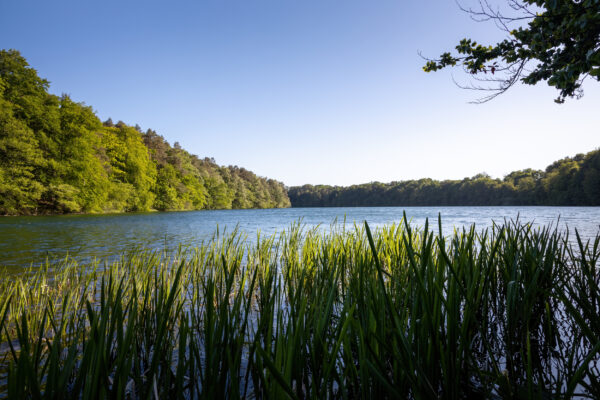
[557, 41]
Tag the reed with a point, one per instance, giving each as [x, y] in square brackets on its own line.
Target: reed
[510, 312]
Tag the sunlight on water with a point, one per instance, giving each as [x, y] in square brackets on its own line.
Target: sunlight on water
[26, 240]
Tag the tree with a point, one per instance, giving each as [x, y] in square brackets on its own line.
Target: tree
[132, 171]
[56, 156]
[20, 157]
[570, 181]
[77, 142]
[166, 189]
[558, 41]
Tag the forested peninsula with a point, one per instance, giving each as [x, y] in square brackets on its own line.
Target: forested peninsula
[56, 156]
[572, 181]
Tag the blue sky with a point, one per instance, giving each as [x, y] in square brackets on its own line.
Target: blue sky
[304, 91]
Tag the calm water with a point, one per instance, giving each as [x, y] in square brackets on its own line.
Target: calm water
[25, 240]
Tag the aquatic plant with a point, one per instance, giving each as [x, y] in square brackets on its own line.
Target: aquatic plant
[400, 312]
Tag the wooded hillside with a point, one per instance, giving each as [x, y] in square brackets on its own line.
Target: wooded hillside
[56, 156]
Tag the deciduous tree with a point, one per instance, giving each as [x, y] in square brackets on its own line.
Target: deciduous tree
[556, 41]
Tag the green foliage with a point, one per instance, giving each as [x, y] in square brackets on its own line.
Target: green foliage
[560, 44]
[57, 157]
[398, 313]
[131, 166]
[166, 189]
[20, 158]
[568, 182]
[78, 141]
[61, 197]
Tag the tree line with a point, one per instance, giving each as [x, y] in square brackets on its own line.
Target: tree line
[56, 156]
[572, 181]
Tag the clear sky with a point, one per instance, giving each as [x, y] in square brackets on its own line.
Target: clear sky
[303, 91]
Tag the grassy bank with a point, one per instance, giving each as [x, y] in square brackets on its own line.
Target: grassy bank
[398, 313]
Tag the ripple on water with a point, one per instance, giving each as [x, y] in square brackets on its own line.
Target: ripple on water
[25, 240]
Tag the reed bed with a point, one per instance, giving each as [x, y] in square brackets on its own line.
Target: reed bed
[510, 312]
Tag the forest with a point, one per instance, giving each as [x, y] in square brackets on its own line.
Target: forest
[572, 181]
[56, 156]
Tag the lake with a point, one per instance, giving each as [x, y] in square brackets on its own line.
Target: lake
[26, 240]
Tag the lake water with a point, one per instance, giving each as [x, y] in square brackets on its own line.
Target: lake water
[26, 240]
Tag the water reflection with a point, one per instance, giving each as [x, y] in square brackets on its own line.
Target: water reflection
[26, 240]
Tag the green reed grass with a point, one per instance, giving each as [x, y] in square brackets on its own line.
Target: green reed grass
[510, 312]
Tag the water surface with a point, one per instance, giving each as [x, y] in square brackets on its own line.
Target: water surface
[26, 240]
